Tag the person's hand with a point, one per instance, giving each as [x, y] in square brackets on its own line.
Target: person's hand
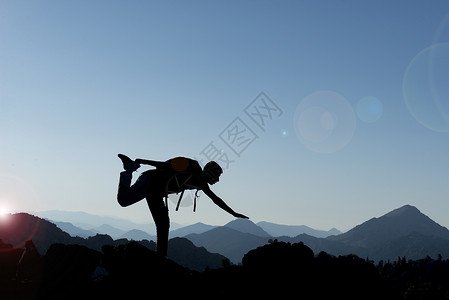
[237, 215]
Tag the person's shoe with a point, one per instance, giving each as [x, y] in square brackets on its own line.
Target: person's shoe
[128, 163]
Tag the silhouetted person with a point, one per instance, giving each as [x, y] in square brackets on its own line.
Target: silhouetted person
[172, 176]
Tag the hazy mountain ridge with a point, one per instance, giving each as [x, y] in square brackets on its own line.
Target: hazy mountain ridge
[402, 232]
[194, 228]
[294, 230]
[84, 224]
[22, 227]
[137, 235]
[88, 221]
[74, 230]
[85, 220]
[115, 233]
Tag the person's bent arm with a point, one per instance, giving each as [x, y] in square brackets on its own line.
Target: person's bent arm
[220, 203]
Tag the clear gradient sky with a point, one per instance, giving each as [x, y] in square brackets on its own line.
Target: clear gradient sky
[356, 111]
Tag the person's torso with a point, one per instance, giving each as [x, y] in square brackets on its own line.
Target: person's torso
[182, 174]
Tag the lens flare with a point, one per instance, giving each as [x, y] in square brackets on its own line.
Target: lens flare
[4, 210]
[17, 195]
[284, 133]
[324, 121]
[5, 214]
[426, 89]
[369, 109]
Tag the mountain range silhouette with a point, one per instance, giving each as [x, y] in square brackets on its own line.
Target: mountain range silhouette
[402, 232]
[22, 227]
[39, 260]
[395, 224]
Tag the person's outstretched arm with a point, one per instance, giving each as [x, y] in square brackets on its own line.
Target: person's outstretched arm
[220, 203]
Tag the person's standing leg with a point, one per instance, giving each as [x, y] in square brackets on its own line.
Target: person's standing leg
[162, 221]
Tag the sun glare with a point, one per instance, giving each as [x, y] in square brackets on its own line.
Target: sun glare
[4, 211]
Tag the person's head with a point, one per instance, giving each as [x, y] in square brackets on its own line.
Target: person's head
[212, 172]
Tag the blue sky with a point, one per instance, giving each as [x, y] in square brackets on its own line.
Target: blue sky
[361, 125]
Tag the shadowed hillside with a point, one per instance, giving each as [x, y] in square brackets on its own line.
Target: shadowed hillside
[277, 270]
[227, 241]
[100, 267]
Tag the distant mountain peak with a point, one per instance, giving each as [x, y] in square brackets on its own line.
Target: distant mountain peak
[406, 209]
[247, 226]
[398, 223]
[194, 228]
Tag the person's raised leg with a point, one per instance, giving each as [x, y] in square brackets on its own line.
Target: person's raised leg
[128, 194]
[162, 221]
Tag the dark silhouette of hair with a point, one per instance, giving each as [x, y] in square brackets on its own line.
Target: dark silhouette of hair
[212, 167]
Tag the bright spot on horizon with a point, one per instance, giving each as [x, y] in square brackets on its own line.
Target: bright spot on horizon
[5, 211]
